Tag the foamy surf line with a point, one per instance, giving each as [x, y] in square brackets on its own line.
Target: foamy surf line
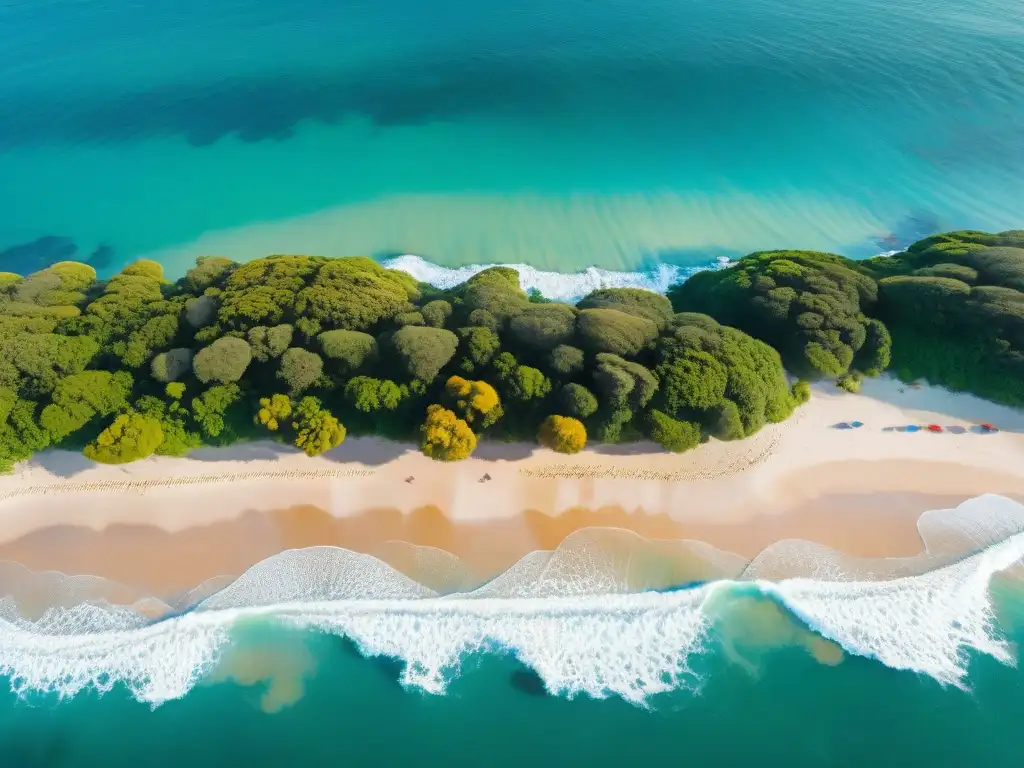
[629, 645]
[570, 286]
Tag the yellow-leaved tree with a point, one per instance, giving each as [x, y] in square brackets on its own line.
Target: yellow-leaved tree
[563, 434]
[274, 411]
[446, 437]
[477, 401]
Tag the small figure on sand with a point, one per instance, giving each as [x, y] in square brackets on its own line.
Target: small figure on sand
[485, 478]
[409, 479]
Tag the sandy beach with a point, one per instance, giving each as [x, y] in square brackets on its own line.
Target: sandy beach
[165, 525]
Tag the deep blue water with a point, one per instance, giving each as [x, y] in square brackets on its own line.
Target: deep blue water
[560, 135]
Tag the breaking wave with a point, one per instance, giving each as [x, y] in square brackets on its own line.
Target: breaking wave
[563, 286]
[608, 613]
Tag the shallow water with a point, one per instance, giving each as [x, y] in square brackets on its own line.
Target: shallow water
[613, 134]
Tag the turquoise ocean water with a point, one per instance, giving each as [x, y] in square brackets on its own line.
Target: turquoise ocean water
[581, 656]
[641, 138]
[612, 134]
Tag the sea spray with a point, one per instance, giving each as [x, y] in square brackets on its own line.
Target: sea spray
[594, 636]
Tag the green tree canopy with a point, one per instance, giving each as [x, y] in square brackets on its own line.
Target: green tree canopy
[300, 369]
[172, 365]
[565, 361]
[264, 291]
[705, 365]
[224, 361]
[370, 395]
[632, 301]
[436, 313]
[624, 384]
[811, 306]
[610, 330]
[212, 410]
[578, 401]
[355, 294]
[543, 326]
[424, 351]
[352, 350]
[208, 272]
[497, 292]
[269, 343]
[480, 345]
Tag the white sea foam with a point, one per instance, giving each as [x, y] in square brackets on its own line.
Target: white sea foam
[555, 285]
[545, 611]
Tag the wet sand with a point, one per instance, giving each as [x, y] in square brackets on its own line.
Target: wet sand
[165, 563]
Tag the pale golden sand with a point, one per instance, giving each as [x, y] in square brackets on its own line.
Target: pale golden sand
[168, 524]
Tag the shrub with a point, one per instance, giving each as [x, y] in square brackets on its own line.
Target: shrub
[671, 434]
[726, 423]
[130, 437]
[317, 431]
[801, 392]
[369, 395]
[563, 434]
[274, 411]
[446, 437]
[850, 382]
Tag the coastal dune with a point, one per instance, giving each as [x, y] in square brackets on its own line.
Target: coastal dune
[166, 525]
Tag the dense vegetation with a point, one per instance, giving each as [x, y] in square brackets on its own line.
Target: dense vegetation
[949, 309]
[309, 349]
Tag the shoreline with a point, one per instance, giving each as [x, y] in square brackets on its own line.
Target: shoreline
[167, 524]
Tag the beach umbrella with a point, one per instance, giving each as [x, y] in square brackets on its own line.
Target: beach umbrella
[934, 428]
[856, 424]
[913, 428]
